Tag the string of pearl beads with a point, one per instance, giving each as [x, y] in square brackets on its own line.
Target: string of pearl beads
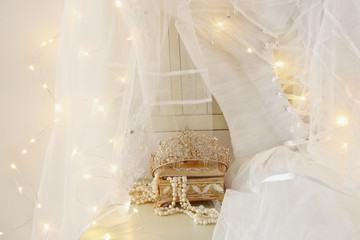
[144, 191]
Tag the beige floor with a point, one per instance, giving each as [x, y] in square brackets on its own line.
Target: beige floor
[145, 225]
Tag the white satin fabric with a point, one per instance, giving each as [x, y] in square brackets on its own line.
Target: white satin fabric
[281, 194]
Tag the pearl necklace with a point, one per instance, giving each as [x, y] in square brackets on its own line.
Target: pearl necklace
[146, 191]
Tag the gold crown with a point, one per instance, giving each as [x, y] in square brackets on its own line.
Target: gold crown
[186, 147]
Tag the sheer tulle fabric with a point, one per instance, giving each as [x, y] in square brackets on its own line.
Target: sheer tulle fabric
[320, 51]
[113, 70]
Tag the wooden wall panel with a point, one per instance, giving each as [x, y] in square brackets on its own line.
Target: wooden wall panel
[175, 117]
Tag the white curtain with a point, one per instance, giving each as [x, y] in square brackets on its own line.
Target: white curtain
[113, 70]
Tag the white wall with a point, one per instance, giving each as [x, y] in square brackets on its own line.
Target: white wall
[25, 106]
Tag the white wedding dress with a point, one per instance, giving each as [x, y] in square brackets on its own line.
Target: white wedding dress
[280, 194]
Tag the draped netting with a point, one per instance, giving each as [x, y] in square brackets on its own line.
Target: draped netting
[312, 191]
[113, 76]
[282, 71]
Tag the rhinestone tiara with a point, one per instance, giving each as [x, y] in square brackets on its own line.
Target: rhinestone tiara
[188, 146]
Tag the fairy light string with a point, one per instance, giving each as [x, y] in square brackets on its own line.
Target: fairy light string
[280, 66]
[17, 174]
[36, 68]
[295, 89]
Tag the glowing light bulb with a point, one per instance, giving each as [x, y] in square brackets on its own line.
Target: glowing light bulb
[114, 168]
[76, 13]
[303, 98]
[93, 223]
[43, 43]
[13, 166]
[344, 145]
[107, 236]
[46, 227]
[20, 189]
[85, 53]
[38, 205]
[32, 140]
[96, 100]
[136, 210]
[1, 233]
[58, 107]
[44, 85]
[279, 64]
[31, 67]
[24, 151]
[129, 39]
[123, 80]
[220, 24]
[87, 176]
[342, 121]
[51, 40]
[74, 152]
[111, 140]
[94, 208]
[118, 3]
[101, 108]
[249, 50]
